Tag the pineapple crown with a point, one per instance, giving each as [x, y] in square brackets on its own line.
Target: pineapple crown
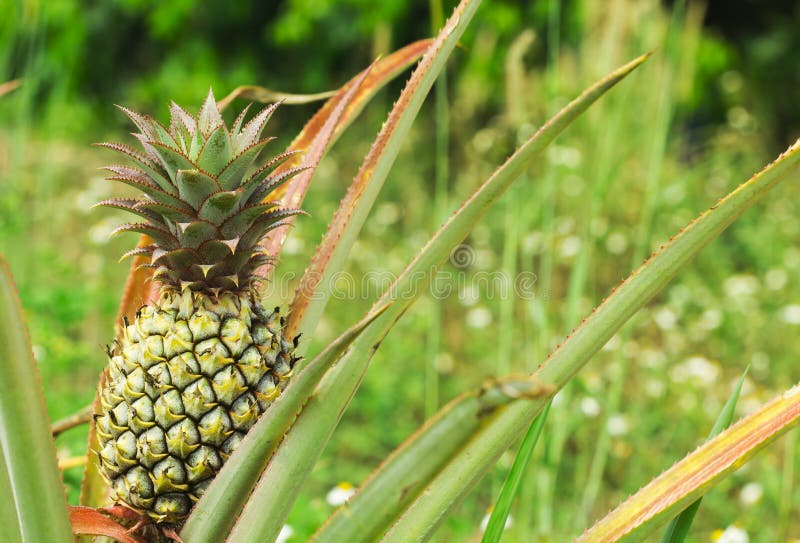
[204, 209]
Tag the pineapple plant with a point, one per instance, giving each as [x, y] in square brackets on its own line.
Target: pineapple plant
[194, 370]
[196, 434]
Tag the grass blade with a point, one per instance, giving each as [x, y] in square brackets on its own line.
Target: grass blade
[457, 478]
[460, 475]
[303, 444]
[213, 516]
[400, 478]
[27, 445]
[693, 476]
[679, 526]
[497, 521]
[313, 292]
[441, 176]
[8, 509]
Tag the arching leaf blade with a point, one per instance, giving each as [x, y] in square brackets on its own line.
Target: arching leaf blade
[487, 446]
[314, 290]
[693, 476]
[215, 513]
[301, 447]
[27, 444]
[9, 86]
[8, 508]
[399, 479]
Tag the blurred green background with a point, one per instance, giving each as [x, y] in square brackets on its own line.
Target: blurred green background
[717, 101]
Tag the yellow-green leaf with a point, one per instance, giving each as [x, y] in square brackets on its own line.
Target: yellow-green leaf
[25, 438]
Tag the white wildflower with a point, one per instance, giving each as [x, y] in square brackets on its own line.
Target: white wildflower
[790, 314]
[485, 521]
[665, 318]
[285, 533]
[339, 494]
[776, 278]
[590, 407]
[616, 243]
[617, 425]
[570, 246]
[739, 286]
[731, 534]
[751, 494]
[479, 317]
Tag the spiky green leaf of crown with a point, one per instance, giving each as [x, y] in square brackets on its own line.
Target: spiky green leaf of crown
[204, 209]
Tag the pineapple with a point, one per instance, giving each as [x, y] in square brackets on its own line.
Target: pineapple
[194, 371]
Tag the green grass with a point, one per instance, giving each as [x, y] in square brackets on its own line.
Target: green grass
[611, 190]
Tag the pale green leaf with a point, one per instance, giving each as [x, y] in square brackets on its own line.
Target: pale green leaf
[8, 509]
[487, 446]
[25, 438]
[293, 461]
[315, 287]
[400, 478]
[214, 514]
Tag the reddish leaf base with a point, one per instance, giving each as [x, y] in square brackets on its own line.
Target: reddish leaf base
[119, 522]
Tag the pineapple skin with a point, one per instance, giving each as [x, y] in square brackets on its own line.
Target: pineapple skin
[185, 382]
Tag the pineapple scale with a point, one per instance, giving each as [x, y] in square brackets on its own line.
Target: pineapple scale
[188, 379]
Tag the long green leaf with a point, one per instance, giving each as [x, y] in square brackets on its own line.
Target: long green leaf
[212, 518]
[315, 287]
[458, 477]
[400, 478]
[30, 454]
[303, 444]
[8, 509]
[693, 476]
[499, 516]
[679, 526]
[452, 483]
[279, 486]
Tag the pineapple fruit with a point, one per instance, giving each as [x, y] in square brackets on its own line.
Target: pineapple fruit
[194, 371]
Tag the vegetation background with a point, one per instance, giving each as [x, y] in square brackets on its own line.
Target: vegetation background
[719, 99]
